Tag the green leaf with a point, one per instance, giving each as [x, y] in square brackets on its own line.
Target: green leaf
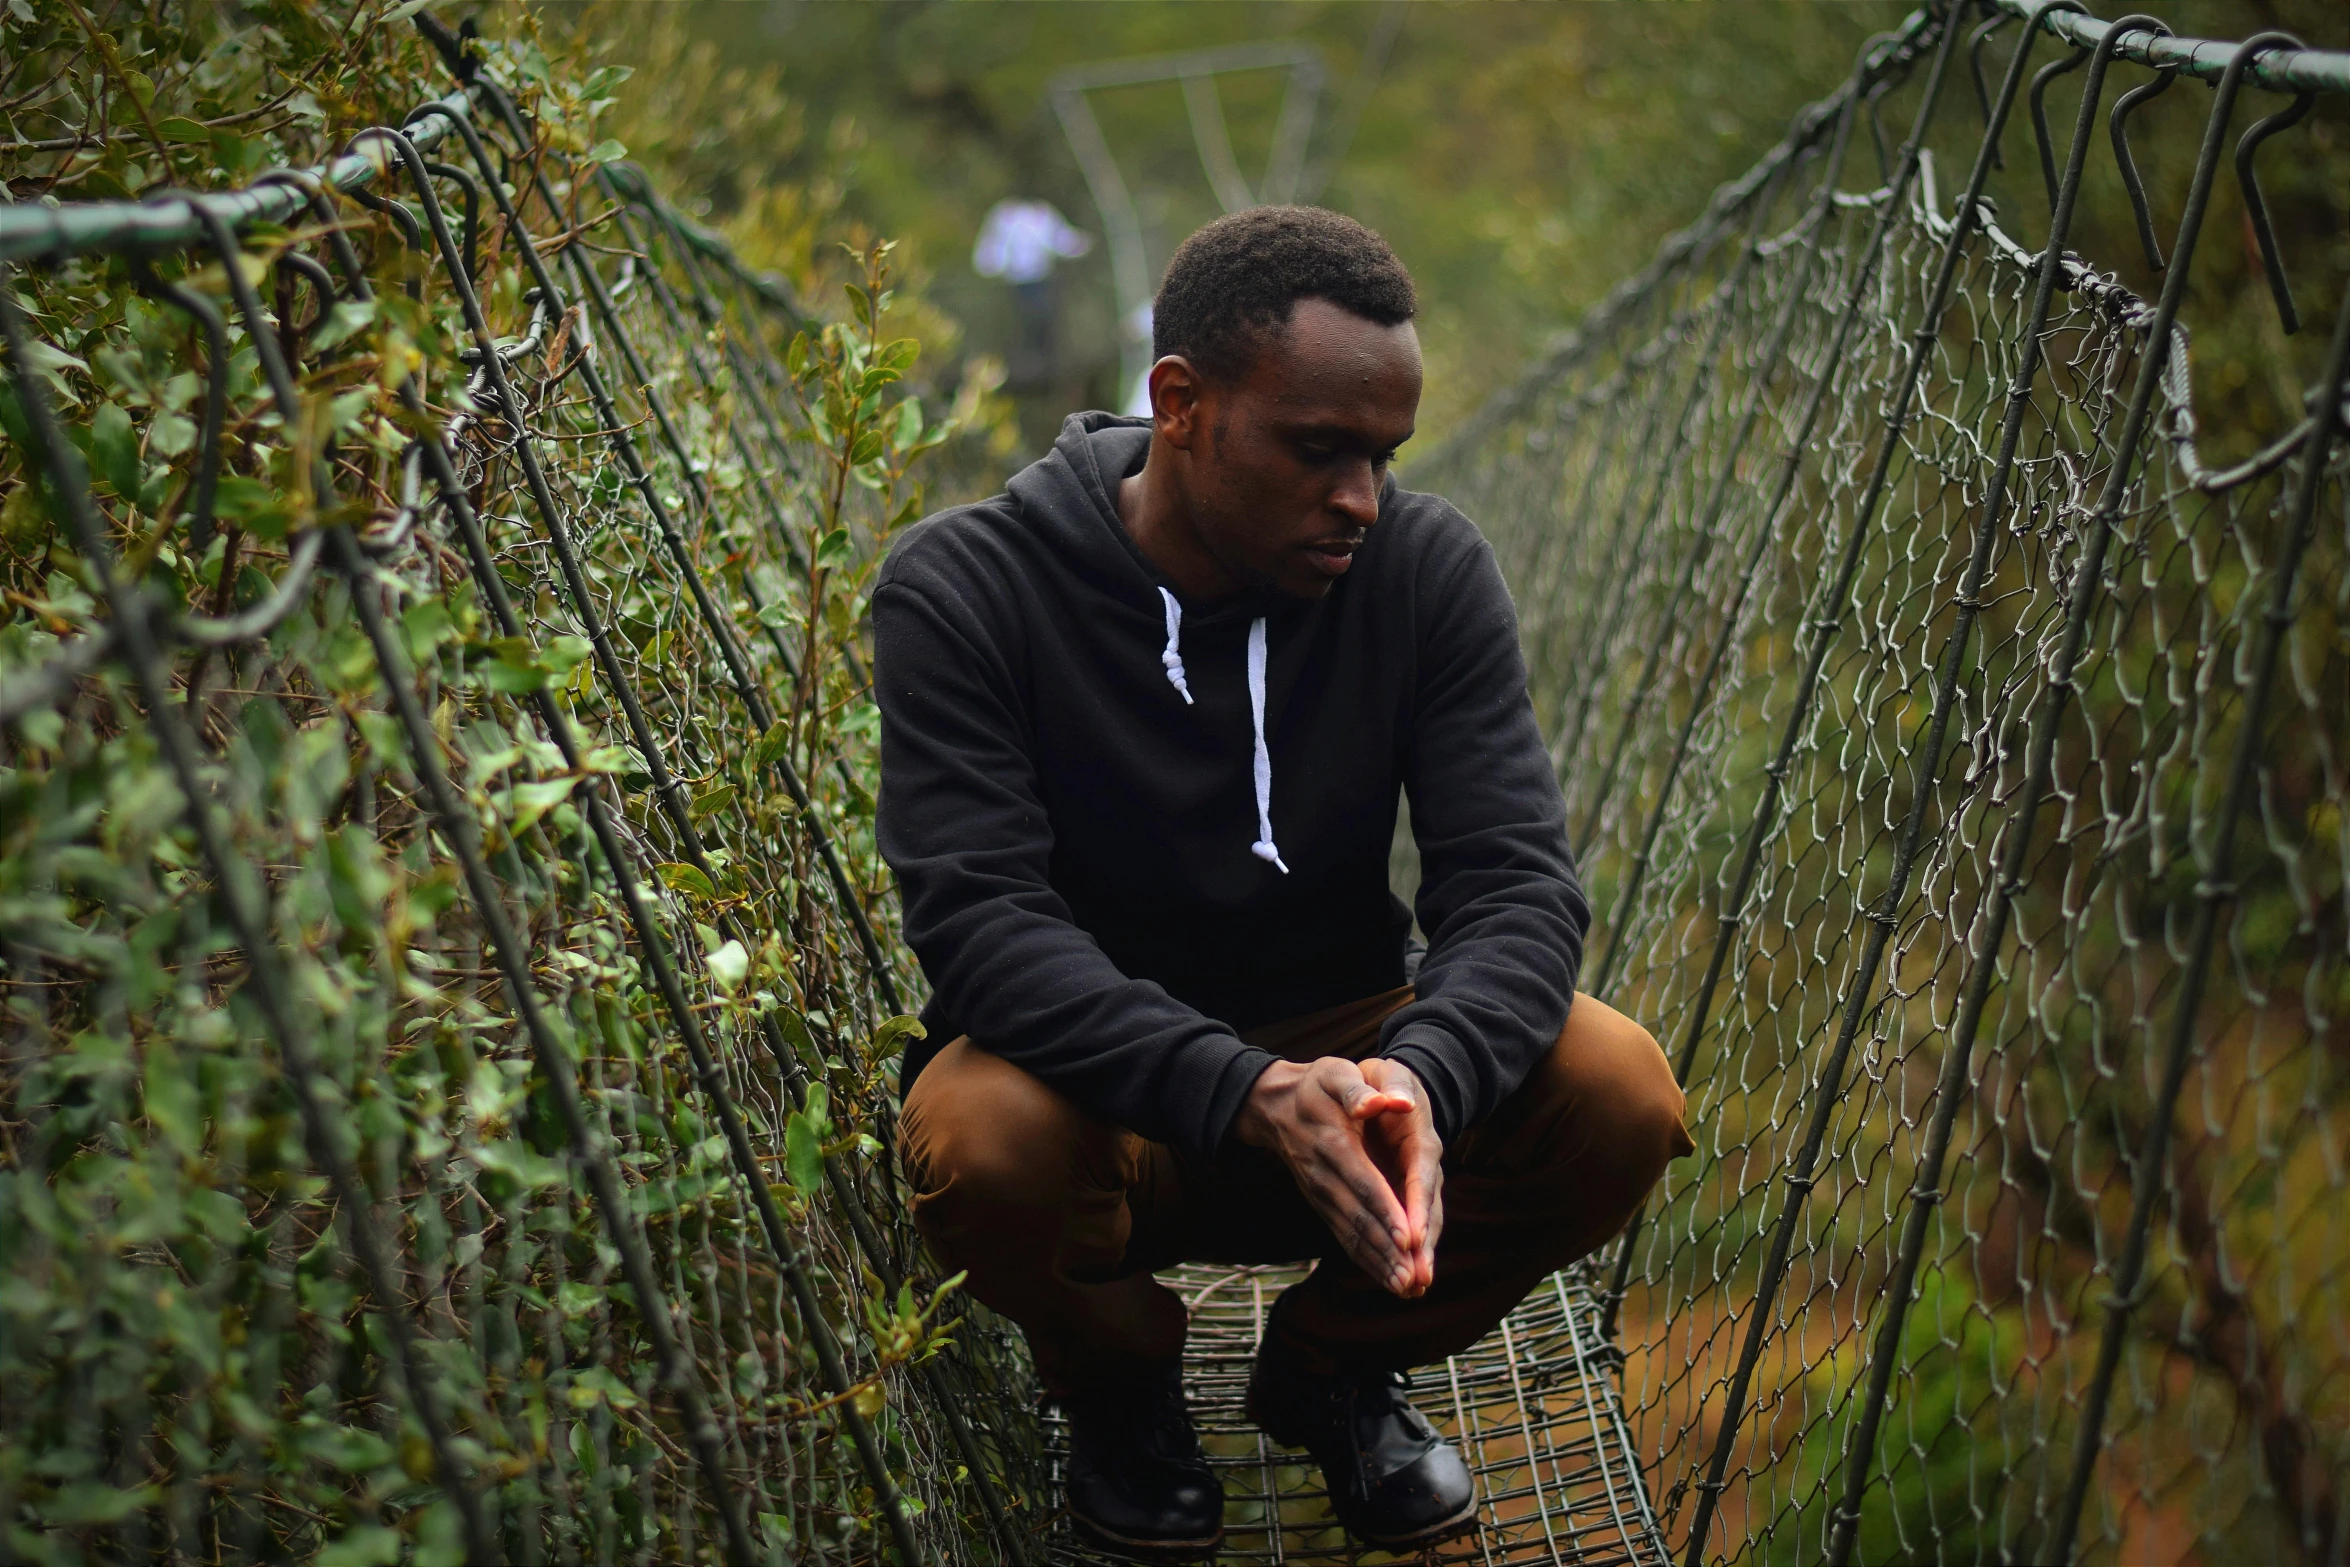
[595, 1385]
[179, 128]
[114, 449]
[386, 741]
[512, 674]
[440, 1536]
[352, 1452]
[712, 800]
[803, 1151]
[221, 1214]
[606, 151]
[909, 423]
[173, 1104]
[832, 551]
[564, 654]
[886, 1037]
[356, 882]
[795, 1029]
[865, 448]
[425, 626]
[730, 965]
[345, 318]
[775, 743]
[433, 893]
[530, 801]
[680, 877]
[519, 1163]
[252, 505]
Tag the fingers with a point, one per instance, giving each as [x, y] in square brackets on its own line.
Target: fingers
[1362, 1210]
[1424, 1202]
[1413, 1155]
[1362, 1101]
[1361, 1142]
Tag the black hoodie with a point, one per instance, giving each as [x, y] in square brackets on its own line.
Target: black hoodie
[1085, 874]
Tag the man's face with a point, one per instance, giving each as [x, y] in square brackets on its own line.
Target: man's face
[1286, 465]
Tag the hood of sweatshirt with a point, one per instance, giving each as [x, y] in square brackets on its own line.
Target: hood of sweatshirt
[1128, 826]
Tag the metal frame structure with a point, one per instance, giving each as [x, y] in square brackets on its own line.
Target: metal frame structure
[1197, 71]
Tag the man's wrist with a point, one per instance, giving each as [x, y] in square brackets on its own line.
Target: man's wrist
[1253, 1122]
[1235, 1082]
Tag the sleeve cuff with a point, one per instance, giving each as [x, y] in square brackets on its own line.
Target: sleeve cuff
[1427, 1049]
[1230, 1091]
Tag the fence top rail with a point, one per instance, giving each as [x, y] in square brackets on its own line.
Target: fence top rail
[2278, 70]
[35, 230]
[38, 228]
[1145, 69]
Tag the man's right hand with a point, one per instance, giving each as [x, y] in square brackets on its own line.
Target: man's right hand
[1314, 1114]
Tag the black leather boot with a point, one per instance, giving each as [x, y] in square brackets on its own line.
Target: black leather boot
[1139, 1486]
[1393, 1481]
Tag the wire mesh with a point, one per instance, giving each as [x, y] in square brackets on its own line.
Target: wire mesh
[502, 1170]
[1738, 635]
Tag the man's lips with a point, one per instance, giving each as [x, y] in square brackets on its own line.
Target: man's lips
[1333, 556]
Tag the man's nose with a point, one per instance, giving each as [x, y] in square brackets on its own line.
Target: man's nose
[1357, 496]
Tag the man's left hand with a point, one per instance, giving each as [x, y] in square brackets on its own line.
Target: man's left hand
[1404, 1144]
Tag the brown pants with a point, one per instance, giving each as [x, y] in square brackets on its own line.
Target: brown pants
[1061, 1218]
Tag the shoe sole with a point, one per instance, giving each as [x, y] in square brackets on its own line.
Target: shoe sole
[1463, 1522]
[1202, 1549]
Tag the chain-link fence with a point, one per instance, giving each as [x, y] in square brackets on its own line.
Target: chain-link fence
[1949, 692]
[449, 980]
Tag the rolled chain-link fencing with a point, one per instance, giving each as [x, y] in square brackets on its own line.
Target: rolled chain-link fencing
[1953, 747]
[449, 978]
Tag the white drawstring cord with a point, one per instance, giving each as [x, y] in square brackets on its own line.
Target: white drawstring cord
[1173, 657]
[1263, 848]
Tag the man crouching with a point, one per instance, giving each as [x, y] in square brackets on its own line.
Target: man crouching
[1145, 717]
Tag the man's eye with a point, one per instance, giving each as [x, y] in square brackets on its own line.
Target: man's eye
[1315, 453]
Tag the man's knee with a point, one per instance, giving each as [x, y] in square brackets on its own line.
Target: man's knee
[1599, 1118]
[1620, 1078]
[978, 1127]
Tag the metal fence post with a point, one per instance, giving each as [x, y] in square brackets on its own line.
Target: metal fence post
[1925, 1197]
[2214, 888]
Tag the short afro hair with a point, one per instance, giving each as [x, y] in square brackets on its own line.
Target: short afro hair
[1235, 281]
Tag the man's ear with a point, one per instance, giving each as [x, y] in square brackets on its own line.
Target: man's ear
[1176, 388]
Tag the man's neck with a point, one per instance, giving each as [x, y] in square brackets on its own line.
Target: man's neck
[1157, 517]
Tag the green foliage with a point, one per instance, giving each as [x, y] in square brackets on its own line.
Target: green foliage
[191, 1360]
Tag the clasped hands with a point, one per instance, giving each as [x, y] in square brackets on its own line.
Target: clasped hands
[1360, 1140]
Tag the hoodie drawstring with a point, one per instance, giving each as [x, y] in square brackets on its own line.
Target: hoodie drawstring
[1173, 657]
[1263, 848]
[1172, 661]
